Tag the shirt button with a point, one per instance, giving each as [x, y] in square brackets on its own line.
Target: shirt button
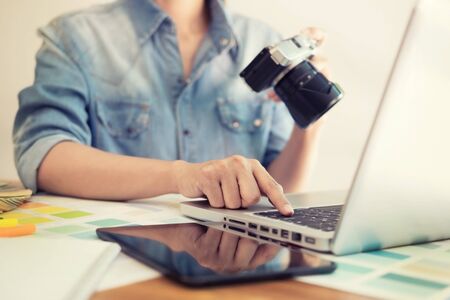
[235, 124]
[224, 41]
[186, 132]
[257, 122]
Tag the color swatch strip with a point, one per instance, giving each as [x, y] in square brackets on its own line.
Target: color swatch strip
[379, 258]
[72, 214]
[402, 285]
[68, 229]
[108, 222]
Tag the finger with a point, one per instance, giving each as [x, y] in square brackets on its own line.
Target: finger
[210, 240]
[213, 192]
[191, 232]
[319, 62]
[206, 247]
[248, 188]
[227, 249]
[273, 97]
[245, 251]
[187, 237]
[314, 33]
[263, 254]
[230, 191]
[272, 189]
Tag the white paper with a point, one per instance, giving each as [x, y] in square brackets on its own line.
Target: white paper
[52, 269]
[124, 270]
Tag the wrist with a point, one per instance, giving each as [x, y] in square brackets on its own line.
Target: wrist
[310, 132]
[176, 174]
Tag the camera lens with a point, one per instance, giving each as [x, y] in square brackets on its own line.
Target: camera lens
[307, 93]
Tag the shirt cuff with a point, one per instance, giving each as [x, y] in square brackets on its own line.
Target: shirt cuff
[31, 160]
[269, 158]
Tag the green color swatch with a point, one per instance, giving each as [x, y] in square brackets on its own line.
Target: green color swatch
[108, 222]
[388, 254]
[87, 235]
[72, 214]
[34, 220]
[428, 246]
[346, 271]
[406, 286]
[68, 229]
[378, 258]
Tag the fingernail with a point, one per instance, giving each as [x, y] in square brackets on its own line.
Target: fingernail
[288, 209]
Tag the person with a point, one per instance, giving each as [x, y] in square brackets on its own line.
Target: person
[139, 98]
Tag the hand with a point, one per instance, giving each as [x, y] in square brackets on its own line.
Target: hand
[233, 183]
[222, 251]
[320, 62]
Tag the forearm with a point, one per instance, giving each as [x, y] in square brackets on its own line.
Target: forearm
[293, 164]
[76, 170]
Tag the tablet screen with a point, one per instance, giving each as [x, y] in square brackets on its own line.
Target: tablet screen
[200, 255]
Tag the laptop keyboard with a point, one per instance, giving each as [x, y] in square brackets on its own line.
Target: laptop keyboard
[324, 218]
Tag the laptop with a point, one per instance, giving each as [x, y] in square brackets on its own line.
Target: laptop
[400, 194]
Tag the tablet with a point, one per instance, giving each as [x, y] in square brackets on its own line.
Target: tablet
[198, 255]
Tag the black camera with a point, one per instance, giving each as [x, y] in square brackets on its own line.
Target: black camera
[307, 93]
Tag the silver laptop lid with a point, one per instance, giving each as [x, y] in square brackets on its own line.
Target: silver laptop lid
[401, 192]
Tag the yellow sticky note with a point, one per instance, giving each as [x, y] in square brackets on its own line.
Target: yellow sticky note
[15, 215]
[50, 209]
[8, 223]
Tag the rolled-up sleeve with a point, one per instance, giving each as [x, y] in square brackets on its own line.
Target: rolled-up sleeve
[52, 110]
[280, 131]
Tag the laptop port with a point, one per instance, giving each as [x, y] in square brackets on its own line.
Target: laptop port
[237, 222]
[284, 234]
[310, 240]
[252, 234]
[236, 229]
[274, 231]
[252, 225]
[296, 237]
[264, 228]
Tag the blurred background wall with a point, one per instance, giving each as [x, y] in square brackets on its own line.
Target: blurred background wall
[363, 37]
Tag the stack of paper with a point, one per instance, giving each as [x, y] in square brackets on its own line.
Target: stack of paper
[12, 195]
[52, 269]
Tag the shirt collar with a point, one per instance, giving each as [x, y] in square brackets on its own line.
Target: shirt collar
[148, 18]
[221, 29]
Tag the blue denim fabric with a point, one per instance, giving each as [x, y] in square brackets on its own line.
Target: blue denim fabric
[111, 77]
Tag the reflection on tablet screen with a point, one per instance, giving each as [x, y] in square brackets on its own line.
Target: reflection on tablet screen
[198, 255]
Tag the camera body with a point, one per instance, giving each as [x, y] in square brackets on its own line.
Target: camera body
[307, 93]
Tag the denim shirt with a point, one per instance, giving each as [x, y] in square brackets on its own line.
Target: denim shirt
[111, 77]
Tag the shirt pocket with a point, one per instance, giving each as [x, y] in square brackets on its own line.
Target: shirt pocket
[244, 117]
[125, 119]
